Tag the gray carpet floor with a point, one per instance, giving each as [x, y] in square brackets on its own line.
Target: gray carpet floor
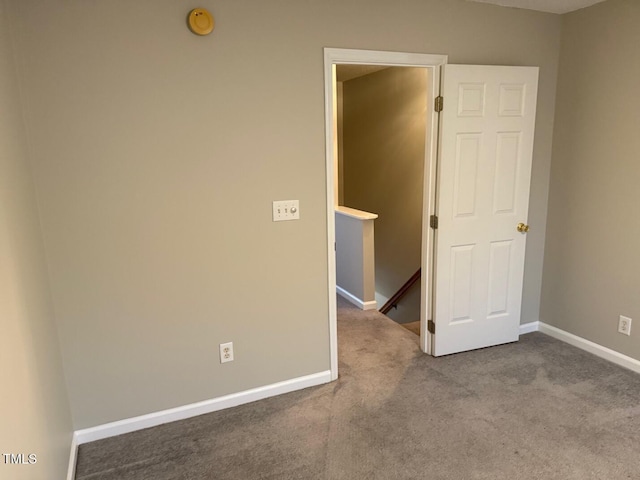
[536, 409]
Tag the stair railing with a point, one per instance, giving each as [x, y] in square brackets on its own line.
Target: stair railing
[396, 297]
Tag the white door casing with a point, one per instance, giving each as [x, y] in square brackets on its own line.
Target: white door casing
[339, 56]
[484, 172]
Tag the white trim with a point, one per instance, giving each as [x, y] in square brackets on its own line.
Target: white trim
[207, 406]
[73, 456]
[529, 327]
[357, 214]
[371, 305]
[335, 56]
[429, 190]
[583, 344]
[375, 57]
[331, 147]
[591, 347]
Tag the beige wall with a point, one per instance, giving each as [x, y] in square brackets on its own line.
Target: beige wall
[384, 142]
[158, 153]
[35, 417]
[340, 129]
[592, 266]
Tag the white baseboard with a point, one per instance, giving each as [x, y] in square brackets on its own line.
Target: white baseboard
[371, 305]
[591, 347]
[207, 406]
[529, 327]
[71, 471]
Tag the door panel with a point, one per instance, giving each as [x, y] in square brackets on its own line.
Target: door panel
[487, 129]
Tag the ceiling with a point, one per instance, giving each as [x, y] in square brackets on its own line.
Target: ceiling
[551, 6]
[348, 72]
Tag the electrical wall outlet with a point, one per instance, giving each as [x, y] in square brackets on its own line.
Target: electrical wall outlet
[286, 210]
[226, 352]
[624, 325]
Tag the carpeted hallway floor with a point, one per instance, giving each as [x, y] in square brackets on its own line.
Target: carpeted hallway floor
[536, 409]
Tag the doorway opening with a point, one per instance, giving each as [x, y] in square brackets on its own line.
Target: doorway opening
[382, 125]
[379, 61]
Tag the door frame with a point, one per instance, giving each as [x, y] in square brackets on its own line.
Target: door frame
[339, 56]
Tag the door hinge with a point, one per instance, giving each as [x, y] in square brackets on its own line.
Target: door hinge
[431, 326]
[439, 104]
[433, 221]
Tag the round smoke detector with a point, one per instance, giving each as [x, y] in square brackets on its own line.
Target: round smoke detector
[201, 21]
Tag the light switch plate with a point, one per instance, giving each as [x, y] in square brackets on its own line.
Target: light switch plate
[286, 210]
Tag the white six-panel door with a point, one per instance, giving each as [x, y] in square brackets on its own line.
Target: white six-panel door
[487, 130]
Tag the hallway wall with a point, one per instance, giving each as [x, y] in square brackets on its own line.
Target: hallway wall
[384, 145]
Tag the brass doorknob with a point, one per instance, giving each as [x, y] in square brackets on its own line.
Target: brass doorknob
[522, 228]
